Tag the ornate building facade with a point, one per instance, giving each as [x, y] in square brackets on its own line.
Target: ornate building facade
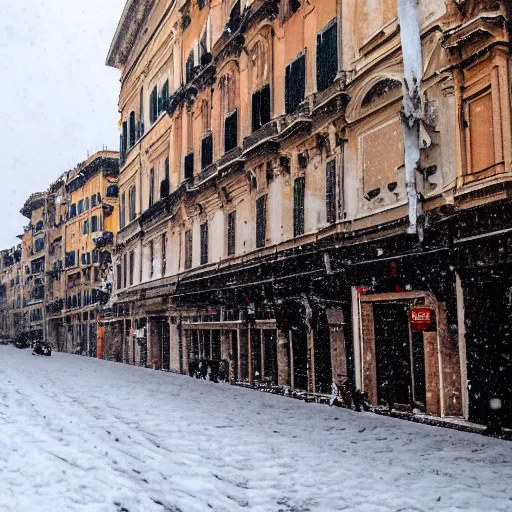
[273, 208]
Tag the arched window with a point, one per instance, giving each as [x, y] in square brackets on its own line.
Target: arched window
[229, 108]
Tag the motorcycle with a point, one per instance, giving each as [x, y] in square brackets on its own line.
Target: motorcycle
[42, 349]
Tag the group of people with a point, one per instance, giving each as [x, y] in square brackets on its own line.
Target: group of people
[211, 369]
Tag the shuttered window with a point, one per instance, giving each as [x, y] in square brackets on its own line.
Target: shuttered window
[261, 221]
[141, 113]
[153, 105]
[330, 191]
[261, 108]
[165, 186]
[206, 151]
[164, 98]
[94, 223]
[93, 201]
[231, 131]
[124, 141]
[118, 276]
[164, 254]
[231, 233]
[151, 187]
[132, 130]
[295, 84]
[132, 197]
[204, 243]
[188, 249]
[86, 227]
[326, 57]
[122, 213]
[189, 166]
[298, 206]
[189, 67]
[125, 270]
[132, 266]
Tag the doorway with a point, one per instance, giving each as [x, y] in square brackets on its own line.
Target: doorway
[400, 357]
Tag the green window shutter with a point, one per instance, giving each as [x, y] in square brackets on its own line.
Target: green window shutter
[298, 206]
[330, 191]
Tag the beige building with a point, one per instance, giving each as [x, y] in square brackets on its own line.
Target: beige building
[285, 205]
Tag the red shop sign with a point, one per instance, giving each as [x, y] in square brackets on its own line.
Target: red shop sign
[423, 319]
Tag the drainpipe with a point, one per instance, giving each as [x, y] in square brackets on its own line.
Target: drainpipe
[411, 113]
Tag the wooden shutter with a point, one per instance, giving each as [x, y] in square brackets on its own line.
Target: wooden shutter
[265, 109]
[124, 141]
[132, 129]
[295, 84]
[188, 249]
[153, 106]
[256, 108]
[326, 57]
[298, 206]
[189, 166]
[231, 233]
[330, 191]
[231, 131]
[204, 243]
[261, 221]
[206, 151]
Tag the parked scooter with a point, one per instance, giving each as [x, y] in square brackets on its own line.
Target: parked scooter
[42, 349]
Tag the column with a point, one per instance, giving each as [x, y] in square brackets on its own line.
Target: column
[283, 358]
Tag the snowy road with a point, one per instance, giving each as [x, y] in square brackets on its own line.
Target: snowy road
[78, 434]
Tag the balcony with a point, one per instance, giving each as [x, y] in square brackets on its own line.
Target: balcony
[130, 231]
[296, 123]
[262, 141]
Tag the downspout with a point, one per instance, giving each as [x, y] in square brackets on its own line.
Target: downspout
[411, 113]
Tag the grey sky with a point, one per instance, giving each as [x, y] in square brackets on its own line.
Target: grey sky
[58, 99]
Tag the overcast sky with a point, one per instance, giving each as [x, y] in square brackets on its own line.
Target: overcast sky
[58, 99]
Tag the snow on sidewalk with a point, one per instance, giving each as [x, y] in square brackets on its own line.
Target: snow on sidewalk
[78, 434]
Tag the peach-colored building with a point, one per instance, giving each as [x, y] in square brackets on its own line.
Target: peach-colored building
[294, 186]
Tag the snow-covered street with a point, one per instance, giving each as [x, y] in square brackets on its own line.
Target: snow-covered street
[78, 434]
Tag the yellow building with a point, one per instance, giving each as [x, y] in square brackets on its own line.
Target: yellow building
[85, 271]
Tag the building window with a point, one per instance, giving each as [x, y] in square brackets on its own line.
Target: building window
[118, 276]
[188, 249]
[141, 113]
[132, 267]
[204, 243]
[326, 56]
[261, 221]
[122, 213]
[39, 244]
[189, 67]
[94, 224]
[151, 187]
[80, 206]
[201, 4]
[235, 17]
[481, 125]
[164, 98]
[295, 84]
[125, 270]
[132, 197]
[153, 105]
[124, 142]
[231, 131]
[206, 151]
[93, 201]
[86, 204]
[298, 206]
[72, 211]
[294, 6]
[132, 130]
[164, 254]
[231, 233]
[86, 227]
[165, 186]
[189, 166]
[330, 191]
[151, 259]
[261, 108]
